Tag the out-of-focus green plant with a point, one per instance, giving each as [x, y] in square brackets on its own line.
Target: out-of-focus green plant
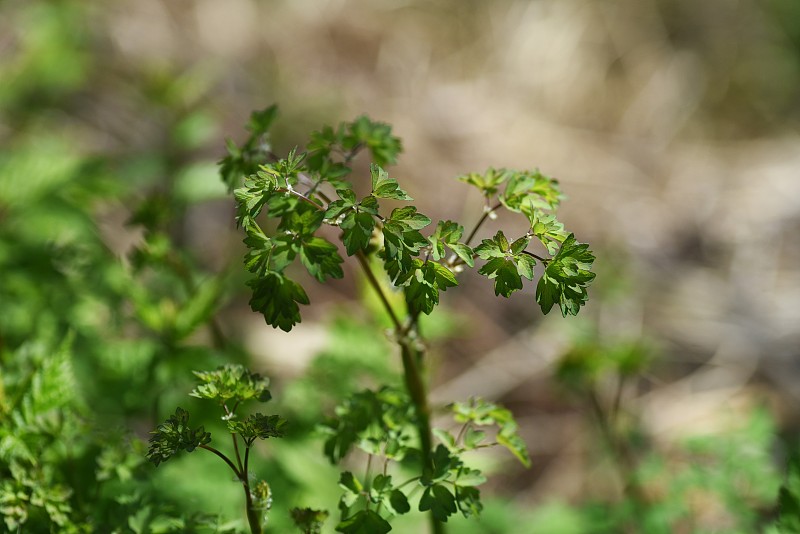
[666, 489]
[306, 194]
[229, 386]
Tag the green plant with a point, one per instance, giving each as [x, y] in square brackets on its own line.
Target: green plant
[229, 386]
[305, 196]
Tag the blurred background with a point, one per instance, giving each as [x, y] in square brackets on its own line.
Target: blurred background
[672, 126]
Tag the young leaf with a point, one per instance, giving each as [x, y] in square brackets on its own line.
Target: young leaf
[175, 435]
[376, 136]
[231, 382]
[447, 234]
[277, 298]
[530, 190]
[385, 187]
[480, 412]
[488, 182]
[566, 277]
[258, 426]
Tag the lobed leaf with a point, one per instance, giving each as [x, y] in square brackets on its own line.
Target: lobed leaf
[566, 277]
[385, 187]
[258, 426]
[231, 382]
[277, 298]
[175, 435]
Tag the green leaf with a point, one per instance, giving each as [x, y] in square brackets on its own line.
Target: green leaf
[321, 258]
[440, 502]
[447, 439]
[529, 190]
[175, 435]
[364, 522]
[548, 230]
[302, 220]
[261, 120]
[231, 382]
[399, 502]
[508, 438]
[480, 412]
[385, 416]
[443, 463]
[376, 136]
[469, 500]
[525, 265]
[422, 291]
[469, 477]
[277, 298]
[385, 187]
[473, 438]
[566, 278]
[505, 275]
[488, 182]
[463, 252]
[350, 483]
[258, 426]
[496, 247]
[357, 231]
[408, 218]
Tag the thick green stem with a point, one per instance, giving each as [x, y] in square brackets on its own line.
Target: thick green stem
[253, 514]
[415, 384]
[412, 357]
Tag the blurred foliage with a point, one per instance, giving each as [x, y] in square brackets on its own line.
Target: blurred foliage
[105, 307]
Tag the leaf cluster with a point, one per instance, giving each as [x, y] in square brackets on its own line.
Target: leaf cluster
[478, 412]
[377, 422]
[309, 190]
[229, 385]
[175, 435]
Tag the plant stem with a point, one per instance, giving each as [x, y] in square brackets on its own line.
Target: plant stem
[622, 456]
[253, 514]
[225, 459]
[480, 223]
[376, 285]
[415, 384]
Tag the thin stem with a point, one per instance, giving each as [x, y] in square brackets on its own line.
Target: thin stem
[225, 458]
[541, 259]
[461, 432]
[376, 285]
[366, 481]
[229, 414]
[480, 222]
[301, 196]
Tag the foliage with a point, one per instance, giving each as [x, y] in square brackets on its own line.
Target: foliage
[304, 194]
[227, 383]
